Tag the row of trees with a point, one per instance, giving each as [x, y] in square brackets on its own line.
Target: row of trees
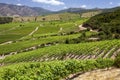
[4, 20]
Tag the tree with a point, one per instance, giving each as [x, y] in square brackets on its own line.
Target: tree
[4, 20]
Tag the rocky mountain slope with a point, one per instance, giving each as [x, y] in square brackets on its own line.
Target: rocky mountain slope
[14, 10]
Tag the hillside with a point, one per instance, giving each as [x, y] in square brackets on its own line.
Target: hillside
[106, 22]
[50, 17]
[14, 10]
[83, 10]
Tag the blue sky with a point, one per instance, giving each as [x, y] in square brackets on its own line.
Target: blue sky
[63, 4]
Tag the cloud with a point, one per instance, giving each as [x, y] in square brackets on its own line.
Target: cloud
[51, 2]
[110, 3]
[19, 4]
[65, 7]
[83, 6]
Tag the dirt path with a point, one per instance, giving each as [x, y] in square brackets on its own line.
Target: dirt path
[81, 28]
[8, 42]
[34, 31]
[101, 74]
[31, 32]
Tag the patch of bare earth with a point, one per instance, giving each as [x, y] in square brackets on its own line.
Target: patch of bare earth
[101, 74]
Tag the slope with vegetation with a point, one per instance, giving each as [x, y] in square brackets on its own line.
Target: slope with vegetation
[82, 51]
[107, 23]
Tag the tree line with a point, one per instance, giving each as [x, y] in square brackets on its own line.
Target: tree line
[4, 20]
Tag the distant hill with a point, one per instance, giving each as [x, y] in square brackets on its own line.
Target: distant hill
[14, 10]
[110, 9]
[72, 10]
[78, 10]
[82, 10]
[88, 12]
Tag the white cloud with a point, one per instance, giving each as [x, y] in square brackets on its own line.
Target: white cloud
[111, 3]
[51, 2]
[65, 7]
[19, 4]
[83, 6]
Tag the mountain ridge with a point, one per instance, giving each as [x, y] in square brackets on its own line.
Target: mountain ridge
[14, 10]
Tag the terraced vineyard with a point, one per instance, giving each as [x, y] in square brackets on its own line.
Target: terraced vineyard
[16, 31]
[52, 50]
[82, 51]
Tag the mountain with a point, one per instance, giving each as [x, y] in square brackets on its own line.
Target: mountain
[14, 10]
[82, 10]
[72, 10]
[110, 9]
[42, 11]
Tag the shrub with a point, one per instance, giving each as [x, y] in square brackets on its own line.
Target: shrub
[117, 61]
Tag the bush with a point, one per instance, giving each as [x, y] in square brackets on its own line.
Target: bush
[117, 61]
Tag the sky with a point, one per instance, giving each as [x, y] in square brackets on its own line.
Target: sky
[56, 5]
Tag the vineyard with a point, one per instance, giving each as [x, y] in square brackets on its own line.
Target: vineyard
[82, 51]
[54, 70]
[53, 49]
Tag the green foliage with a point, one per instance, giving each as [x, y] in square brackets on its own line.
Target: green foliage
[117, 61]
[4, 20]
[54, 70]
[106, 22]
[104, 64]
